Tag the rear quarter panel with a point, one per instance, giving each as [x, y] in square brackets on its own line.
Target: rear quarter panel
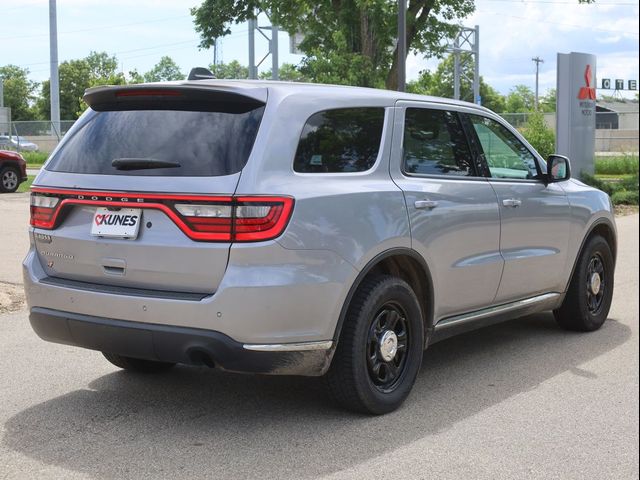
[355, 215]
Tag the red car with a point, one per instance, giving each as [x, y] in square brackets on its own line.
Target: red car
[13, 171]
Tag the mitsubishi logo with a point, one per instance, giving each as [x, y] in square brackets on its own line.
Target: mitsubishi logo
[587, 92]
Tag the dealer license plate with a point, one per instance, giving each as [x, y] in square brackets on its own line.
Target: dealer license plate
[123, 223]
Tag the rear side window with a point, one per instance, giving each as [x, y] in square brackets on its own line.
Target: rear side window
[203, 143]
[435, 144]
[340, 141]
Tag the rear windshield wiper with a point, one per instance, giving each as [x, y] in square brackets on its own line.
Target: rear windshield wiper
[141, 163]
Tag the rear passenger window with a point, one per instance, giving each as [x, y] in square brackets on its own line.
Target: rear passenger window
[340, 141]
[434, 144]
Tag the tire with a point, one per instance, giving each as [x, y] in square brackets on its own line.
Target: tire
[359, 379]
[137, 364]
[9, 179]
[587, 303]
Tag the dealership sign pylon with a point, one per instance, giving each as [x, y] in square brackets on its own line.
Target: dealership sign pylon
[576, 110]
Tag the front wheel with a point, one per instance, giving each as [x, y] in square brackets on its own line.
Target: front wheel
[380, 347]
[587, 303]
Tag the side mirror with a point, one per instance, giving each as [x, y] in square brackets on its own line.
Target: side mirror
[558, 168]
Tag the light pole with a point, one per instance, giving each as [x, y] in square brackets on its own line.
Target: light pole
[538, 61]
[402, 45]
[54, 83]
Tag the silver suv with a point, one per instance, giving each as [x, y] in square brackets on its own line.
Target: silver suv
[300, 229]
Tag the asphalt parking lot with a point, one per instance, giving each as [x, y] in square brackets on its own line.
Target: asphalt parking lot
[523, 399]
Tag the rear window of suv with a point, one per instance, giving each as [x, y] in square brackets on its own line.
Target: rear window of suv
[203, 143]
[340, 141]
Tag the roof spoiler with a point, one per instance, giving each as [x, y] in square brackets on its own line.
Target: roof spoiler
[173, 97]
[200, 73]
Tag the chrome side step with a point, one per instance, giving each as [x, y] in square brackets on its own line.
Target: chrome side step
[534, 303]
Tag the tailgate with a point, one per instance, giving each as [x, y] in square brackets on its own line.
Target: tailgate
[139, 192]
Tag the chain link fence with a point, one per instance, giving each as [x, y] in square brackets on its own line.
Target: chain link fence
[32, 135]
[616, 132]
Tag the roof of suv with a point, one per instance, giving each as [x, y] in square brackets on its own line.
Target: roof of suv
[307, 90]
[329, 90]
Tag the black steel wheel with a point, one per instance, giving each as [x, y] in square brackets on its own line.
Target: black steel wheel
[588, 299]
[380, 347]
[387, 346]
[596, 284]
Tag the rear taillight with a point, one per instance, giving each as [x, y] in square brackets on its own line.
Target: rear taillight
[241, 219]
[43, 210]
[202, 218]
[261, 218]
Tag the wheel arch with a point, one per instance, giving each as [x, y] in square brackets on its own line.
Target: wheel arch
[10, 163]
[603, 227]
[404, 263]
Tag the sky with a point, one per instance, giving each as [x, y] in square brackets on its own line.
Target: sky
[140, 32]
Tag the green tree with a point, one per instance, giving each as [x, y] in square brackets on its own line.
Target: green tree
[440, 84]
[539, 135]
[135, 77]
[520, 99]
[19, 92]
[163, 71]
[230, 70]
[548, 101]
[287, 73]
[75, 77]
[346, 41]
[104, 68]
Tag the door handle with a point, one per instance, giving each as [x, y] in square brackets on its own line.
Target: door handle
[426, 204]
[511, 202]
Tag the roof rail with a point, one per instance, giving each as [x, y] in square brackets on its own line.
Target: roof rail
[200, 73]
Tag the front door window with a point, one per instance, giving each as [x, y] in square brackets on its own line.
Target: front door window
[506, 156]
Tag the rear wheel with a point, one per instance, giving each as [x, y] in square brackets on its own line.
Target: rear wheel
[9, 179]
[137, 364]
[587, 303]
[380, 348]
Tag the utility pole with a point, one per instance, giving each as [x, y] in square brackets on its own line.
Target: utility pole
[54, 83]
[402, 45]
[538, 61]
[476, 66]
[273, 47]
[456, 68]
[253, 70]
[273, 44]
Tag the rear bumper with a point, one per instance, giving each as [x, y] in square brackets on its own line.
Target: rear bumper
[179, 344]
[269, 295]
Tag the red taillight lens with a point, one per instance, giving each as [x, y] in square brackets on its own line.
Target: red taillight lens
[43, 210]
[243, 219]
[200, 217]
[261, 218]
[212, 221]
